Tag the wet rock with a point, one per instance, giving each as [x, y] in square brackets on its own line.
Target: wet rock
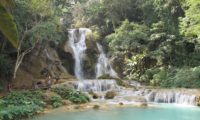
[110, 94]
[66, 102]
[90, 57]
[121, 103]
[151, 96]
[124, 83]
[105, 76]
[96, 107]
[138, 99]
[198, 100]
[77, 107]
[135, 84]
[49, 107]
[95, 96]
[144, 104]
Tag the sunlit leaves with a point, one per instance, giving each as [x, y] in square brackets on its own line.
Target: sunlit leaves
[8, 26]
[128, 36]
[190, 24]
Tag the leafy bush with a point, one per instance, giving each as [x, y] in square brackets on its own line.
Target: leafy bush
[18, 112]
[157, 78]
[174, 77]
[72, 95]
[56, 101]
[129, 36]
[2, 103]
[188, 78]
[17, 105]
[24, 98]
[78, 97]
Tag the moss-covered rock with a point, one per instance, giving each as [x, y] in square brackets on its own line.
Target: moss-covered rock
[91, 57]
[198, 100]
[105, 76]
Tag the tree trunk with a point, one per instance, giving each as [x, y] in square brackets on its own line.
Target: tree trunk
[20, 58]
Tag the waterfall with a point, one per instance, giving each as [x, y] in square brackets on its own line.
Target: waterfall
[103, 65]
[77, 39]
[178, 97]
[95, 85]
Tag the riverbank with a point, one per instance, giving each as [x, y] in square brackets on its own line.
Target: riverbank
[156, 112]
[24, 104]
[99, 95]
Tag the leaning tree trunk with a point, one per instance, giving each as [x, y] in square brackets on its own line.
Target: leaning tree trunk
[20, 53]
[20, 57]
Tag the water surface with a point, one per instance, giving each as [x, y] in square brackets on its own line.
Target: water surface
[163, 112]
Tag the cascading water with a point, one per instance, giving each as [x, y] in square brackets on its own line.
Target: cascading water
[77, 39]
[103, 65]
[178, 97]
[96, 85]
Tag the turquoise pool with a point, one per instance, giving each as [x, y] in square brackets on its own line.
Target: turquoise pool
[162, 112]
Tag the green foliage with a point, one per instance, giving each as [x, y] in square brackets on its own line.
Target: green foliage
[18, 112]
[45, 32]
[160, 78]
[188, 78]
[181, 78]
[56, 101]
[6, 66]
[72, 95]
[78, 97]
[18, 105]
[43, 8]
[190, 24]
[7, 3]
[129, 36]
[7, 24]
[131, 67]
[24, 98]
[169, 11]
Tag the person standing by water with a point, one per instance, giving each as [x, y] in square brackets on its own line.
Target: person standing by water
[9, 87]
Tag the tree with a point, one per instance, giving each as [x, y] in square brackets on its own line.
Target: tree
[129, 36]
[190, 24]
[37, 24]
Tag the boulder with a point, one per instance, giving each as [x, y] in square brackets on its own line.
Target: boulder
[66, 102]
[121, 103]
[49, 107]
[110, 94]
[96, 107]
[198, 100]
[94, 95]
